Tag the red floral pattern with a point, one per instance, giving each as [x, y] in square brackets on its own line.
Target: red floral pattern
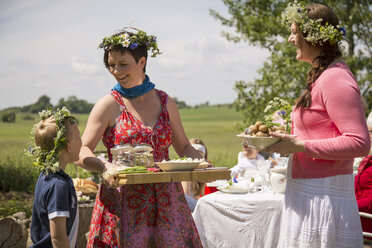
[142, 215]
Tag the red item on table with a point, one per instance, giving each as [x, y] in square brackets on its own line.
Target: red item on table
[209, 190]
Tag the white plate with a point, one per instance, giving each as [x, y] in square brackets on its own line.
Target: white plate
[178, 166]
[233, 190]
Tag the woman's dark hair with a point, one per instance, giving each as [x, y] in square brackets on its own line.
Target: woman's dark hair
[137, 53]
[328, 52]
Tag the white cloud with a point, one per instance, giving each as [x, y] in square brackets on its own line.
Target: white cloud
[83, 67]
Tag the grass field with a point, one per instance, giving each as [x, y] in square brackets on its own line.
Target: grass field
[214, 125]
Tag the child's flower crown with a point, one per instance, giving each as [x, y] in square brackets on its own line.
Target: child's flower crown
[132, 41]
[315, 32]
[48, 160]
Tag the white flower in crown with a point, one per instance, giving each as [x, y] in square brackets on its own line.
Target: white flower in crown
[126, 43]
[125, 36]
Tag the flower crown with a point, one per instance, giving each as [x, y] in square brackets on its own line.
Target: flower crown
[49, 160]
[315, 31]
[132, 41]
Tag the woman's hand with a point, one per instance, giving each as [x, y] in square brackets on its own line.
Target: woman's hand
[288, 144]
[108, 175]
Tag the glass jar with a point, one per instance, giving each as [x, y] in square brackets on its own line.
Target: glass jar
[123, 155]
[143, 155]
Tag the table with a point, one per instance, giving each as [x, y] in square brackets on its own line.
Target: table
[239, 220]
[173, 176]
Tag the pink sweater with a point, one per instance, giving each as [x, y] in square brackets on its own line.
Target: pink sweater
[334, 127]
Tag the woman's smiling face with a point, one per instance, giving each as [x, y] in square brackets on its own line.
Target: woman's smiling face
[305, 52]
[125, 69]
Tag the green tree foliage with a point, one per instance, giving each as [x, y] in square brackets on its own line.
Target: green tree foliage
[75, 105]
[8, 116]
[42, 103]
[258, 23]
[180, 104]
[72, 103]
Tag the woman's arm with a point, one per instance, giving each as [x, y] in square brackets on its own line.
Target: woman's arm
[102, 116]
[58, 233]
[180, 141]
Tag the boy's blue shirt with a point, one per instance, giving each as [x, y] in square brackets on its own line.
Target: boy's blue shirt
[55, 196]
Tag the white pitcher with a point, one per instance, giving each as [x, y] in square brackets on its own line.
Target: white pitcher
[278, 179]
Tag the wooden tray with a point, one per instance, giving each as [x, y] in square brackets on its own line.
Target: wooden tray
[173, 176]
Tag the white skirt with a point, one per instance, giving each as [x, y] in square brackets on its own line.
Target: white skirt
[320, 212]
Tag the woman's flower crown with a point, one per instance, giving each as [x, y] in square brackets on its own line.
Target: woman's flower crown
[315, 32]
[48, 160]
[132, 41]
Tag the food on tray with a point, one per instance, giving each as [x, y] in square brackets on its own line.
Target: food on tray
[85, 186]
[203, 165]
[183, 160]
[135, 169]
[179, 164]
[259, 129]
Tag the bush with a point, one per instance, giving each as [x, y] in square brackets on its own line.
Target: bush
[8, 116]
[13, 202]
[16, 171]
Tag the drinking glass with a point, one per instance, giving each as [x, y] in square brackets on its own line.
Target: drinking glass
[264, 167]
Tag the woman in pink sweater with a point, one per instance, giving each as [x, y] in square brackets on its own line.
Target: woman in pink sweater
[329, 130]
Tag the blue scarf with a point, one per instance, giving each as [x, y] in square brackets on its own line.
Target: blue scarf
[135, 91]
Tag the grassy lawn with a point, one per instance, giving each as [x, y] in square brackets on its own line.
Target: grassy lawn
[214, 125]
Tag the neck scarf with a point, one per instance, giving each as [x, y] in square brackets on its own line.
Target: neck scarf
[135, 91]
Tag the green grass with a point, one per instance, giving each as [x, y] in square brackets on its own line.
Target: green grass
[214, 125]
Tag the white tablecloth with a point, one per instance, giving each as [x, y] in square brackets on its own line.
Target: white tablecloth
[239, 220]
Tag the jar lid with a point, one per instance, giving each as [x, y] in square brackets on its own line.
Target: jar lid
[121, 148]
[142, 148]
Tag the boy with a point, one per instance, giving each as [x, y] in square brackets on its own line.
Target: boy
[55, 212]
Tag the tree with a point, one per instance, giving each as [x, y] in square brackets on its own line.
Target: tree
[75, 105]
[42, 103]
[259, 24]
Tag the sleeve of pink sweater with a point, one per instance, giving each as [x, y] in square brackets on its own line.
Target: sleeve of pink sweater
[341, 98]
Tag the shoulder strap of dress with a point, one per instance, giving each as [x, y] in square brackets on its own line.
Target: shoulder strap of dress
[163, 98]
[116, 95]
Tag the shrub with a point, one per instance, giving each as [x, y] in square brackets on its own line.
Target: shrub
[16, 170]
[13, 202]
[8, 116]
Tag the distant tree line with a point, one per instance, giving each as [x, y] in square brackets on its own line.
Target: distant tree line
[72, 103]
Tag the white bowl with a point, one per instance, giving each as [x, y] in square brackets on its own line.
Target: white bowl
[178, 166]
[260, 143]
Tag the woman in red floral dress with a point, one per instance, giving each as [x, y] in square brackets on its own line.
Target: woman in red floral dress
[142, 215]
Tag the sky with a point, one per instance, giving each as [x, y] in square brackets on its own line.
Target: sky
[50, 47]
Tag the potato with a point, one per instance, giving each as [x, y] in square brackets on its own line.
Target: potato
[272, 129]
[281, 128]
[261, 134]
[263, 128]
[253, 129]
[258, 123]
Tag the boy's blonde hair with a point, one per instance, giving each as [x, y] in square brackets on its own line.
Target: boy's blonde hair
[45, 132]
[50, 138]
